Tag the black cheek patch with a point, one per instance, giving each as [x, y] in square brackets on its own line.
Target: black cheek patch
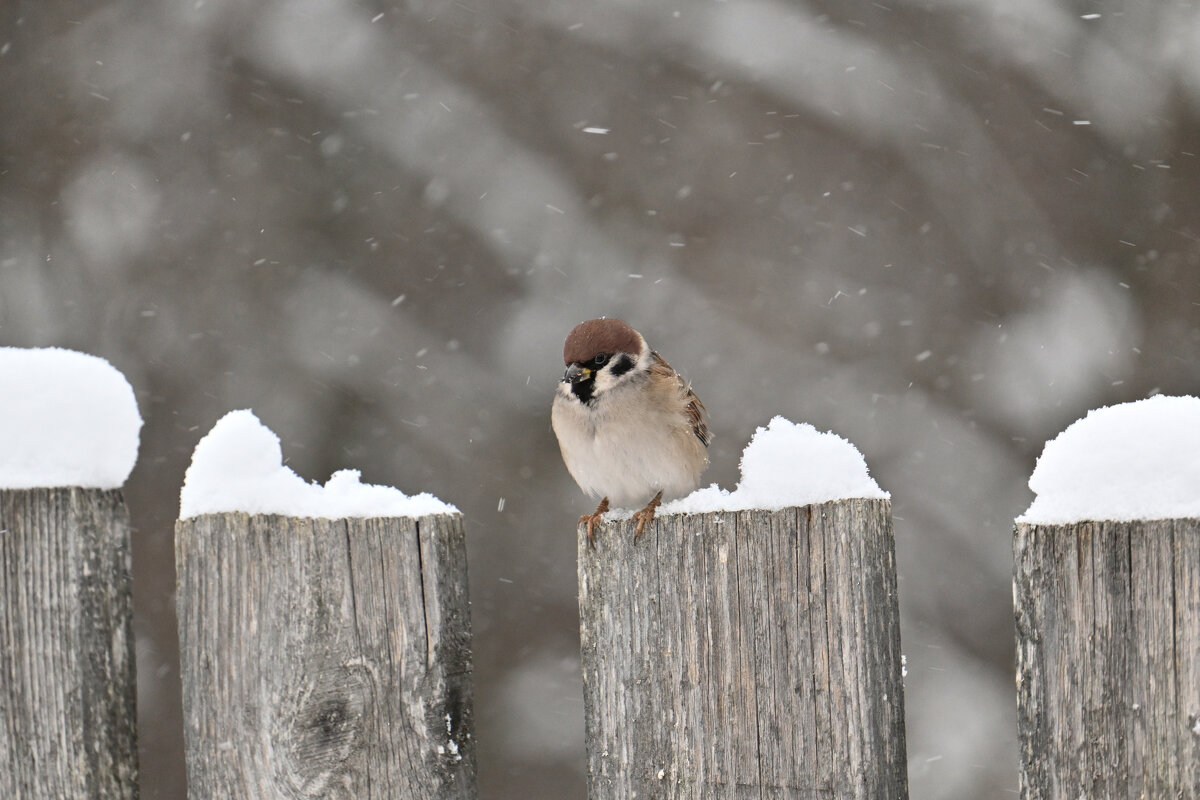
[622, 364]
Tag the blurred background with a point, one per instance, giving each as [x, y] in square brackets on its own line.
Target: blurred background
[943, 229]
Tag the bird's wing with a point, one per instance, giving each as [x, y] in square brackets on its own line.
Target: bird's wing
[696, 413]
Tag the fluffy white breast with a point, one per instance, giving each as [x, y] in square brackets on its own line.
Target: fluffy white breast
[627, 448]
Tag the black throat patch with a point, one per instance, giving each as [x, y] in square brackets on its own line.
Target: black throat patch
[584, 390]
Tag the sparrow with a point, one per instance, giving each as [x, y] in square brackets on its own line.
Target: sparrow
[630, 429]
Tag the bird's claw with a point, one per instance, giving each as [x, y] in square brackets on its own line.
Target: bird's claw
[592, 520]
[646, 515]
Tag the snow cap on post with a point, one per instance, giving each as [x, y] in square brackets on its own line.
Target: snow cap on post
[238, 466]
[788, 464]
[68, 419]
[1133, 461]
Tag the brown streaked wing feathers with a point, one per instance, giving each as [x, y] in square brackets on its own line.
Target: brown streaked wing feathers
[696, 412]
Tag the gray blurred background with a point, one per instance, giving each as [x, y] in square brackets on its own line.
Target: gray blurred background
[943, 229]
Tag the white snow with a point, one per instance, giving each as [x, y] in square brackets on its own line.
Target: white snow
[238, 466]
[1131, 461]
[66, 419]
[788, 464]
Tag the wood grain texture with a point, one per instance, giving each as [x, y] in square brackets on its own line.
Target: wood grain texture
[1108, 659]
[744, 655]
[68, 717]
[325, 658]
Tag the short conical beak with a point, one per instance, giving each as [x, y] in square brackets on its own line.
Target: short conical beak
[576, 373]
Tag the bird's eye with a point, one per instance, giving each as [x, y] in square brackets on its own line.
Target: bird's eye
[600, 360]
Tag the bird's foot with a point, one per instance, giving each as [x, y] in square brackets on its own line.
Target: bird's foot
[646, 515]
[594, 519]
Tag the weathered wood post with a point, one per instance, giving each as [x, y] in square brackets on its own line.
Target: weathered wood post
[1108, 659]
[744, 654]
[1106, 594]
[68, 721]
[325, 658]
[67, 677]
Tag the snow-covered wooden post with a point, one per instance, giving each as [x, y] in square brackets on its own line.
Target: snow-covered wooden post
[1107, 593]
[324, 631]
[734, 651]
[69, 428]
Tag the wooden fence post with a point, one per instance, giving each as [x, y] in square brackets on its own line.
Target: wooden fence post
[68, 721]
[744, 654]
[325, 658]
[1108, 659]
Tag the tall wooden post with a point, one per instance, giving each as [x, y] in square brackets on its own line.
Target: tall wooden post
[748, 654]
[1108, 659]
[325, 658]
[68, 720]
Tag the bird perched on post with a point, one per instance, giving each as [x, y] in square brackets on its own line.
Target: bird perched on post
[631, 430]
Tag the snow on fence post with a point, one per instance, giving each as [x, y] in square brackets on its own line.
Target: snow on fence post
[734, 651]
[68, 722]
[1108, 612]
[325, 652]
